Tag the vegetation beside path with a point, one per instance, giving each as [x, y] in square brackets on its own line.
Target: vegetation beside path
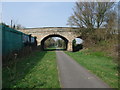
[99, 64]
[39, 70]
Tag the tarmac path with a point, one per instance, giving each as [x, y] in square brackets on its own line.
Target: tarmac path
[73, 75]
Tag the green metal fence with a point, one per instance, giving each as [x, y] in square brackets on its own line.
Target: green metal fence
[11, 40]
[0, 40]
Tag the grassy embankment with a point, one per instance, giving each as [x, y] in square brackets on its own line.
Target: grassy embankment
[99, 64]
[39, 70]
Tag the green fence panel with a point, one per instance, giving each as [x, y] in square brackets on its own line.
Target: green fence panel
[11, 40]
[0, 40]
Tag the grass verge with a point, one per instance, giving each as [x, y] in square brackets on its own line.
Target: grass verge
[39, 70]
[99, 64]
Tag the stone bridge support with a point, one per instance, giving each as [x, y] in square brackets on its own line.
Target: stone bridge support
[69, 47]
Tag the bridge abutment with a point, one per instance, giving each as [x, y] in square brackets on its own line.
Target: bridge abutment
[69, 46]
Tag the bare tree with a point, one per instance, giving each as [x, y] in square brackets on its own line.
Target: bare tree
[90, 14]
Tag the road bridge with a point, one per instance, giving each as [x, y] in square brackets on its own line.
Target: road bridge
[68, 34]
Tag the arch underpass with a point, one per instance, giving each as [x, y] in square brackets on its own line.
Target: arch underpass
[54, 35]
[66, 33]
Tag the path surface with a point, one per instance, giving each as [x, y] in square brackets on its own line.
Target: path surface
[72, 75]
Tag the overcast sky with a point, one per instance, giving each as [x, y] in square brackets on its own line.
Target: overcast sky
[37, 14]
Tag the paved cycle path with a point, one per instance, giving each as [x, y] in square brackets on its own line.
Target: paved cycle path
[73, 75]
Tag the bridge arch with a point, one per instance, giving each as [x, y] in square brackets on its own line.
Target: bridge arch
[67, 32]
[42, 42]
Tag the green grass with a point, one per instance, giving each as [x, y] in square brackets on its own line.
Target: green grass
[54, 48]
[39, 70]
[99, 64]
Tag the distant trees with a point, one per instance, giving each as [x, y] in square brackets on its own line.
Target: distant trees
[49, 42]
[60, 43]
[99, 22]
[55, 43]
[93, 16]
[90, 14]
